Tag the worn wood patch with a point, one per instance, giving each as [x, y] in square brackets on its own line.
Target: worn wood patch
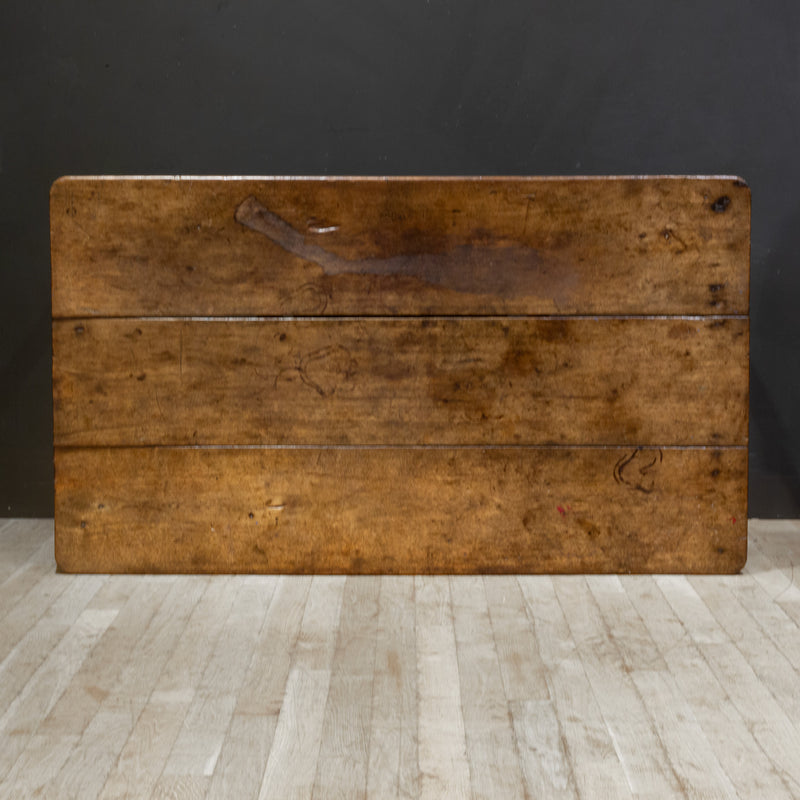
[401, 381]
[401, 510]
[271, 246]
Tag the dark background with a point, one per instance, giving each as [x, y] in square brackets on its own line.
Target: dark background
[398, 87]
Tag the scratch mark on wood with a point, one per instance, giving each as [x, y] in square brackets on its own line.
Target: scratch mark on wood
[630, 471]
[669, 234]
[310, 298]
[158, 404]
[529, 199]
[323, 370]
[316, 226]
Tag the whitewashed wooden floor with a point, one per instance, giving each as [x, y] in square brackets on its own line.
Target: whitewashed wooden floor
[495, 687]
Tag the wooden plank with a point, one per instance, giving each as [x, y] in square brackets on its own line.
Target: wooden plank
[393, 759]
[137, 682]
[89, 764]
[683, 739]
[441, 739]
[181, 787]
[31, 703]
[25, 597]
[675, 245]
[21, 669]
[199, 743]
[197, 746]
[764, 716]
[344, 746]
[401, 510]
[142, 758]
[524, 675]
[249, 740]
[774, 670]
[639, 747]
[293, 758]
[781, 546]
[37, 765]
[103, 669]
[770, 574]
[540, 746]
[20, 541]
[180, 676]
[264, 685]
[745, 764]
[16, 573]
[777, 622]
[575, 754]
[494, 764]
[401, 381]
[187, 648]
[244, 756]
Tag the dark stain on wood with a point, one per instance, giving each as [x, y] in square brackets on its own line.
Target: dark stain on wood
[500, 271]
[721, 204]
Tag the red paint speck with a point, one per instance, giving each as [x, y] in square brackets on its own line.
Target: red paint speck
[561, 511]
[733, 520]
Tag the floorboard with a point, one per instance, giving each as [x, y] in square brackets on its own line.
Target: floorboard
[399, 686]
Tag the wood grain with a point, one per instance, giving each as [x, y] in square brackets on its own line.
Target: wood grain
[444, 769]
[400, 510]
[400, 375]
[272, 246]
[751, 698]
[573, 751]
[265, 682]
[393, 756]
[773, 668]
[100, 674]
[343, 758]
[156, 716]
[29, 698]
[292, 760]
[678, 731]
[488, 728]
[294, 754]
[401, 381]
[515, 640]
[751, 769]
[649, 772]
[710, 690]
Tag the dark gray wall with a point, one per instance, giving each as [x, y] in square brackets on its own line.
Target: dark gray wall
[398, 87]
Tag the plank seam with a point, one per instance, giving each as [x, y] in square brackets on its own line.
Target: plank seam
[516, 447]
[390, 317]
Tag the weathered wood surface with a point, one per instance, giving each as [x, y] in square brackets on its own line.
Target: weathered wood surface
[401, 381]
[401, 510]
[272, 246]
[400, 374]
[705, 670]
